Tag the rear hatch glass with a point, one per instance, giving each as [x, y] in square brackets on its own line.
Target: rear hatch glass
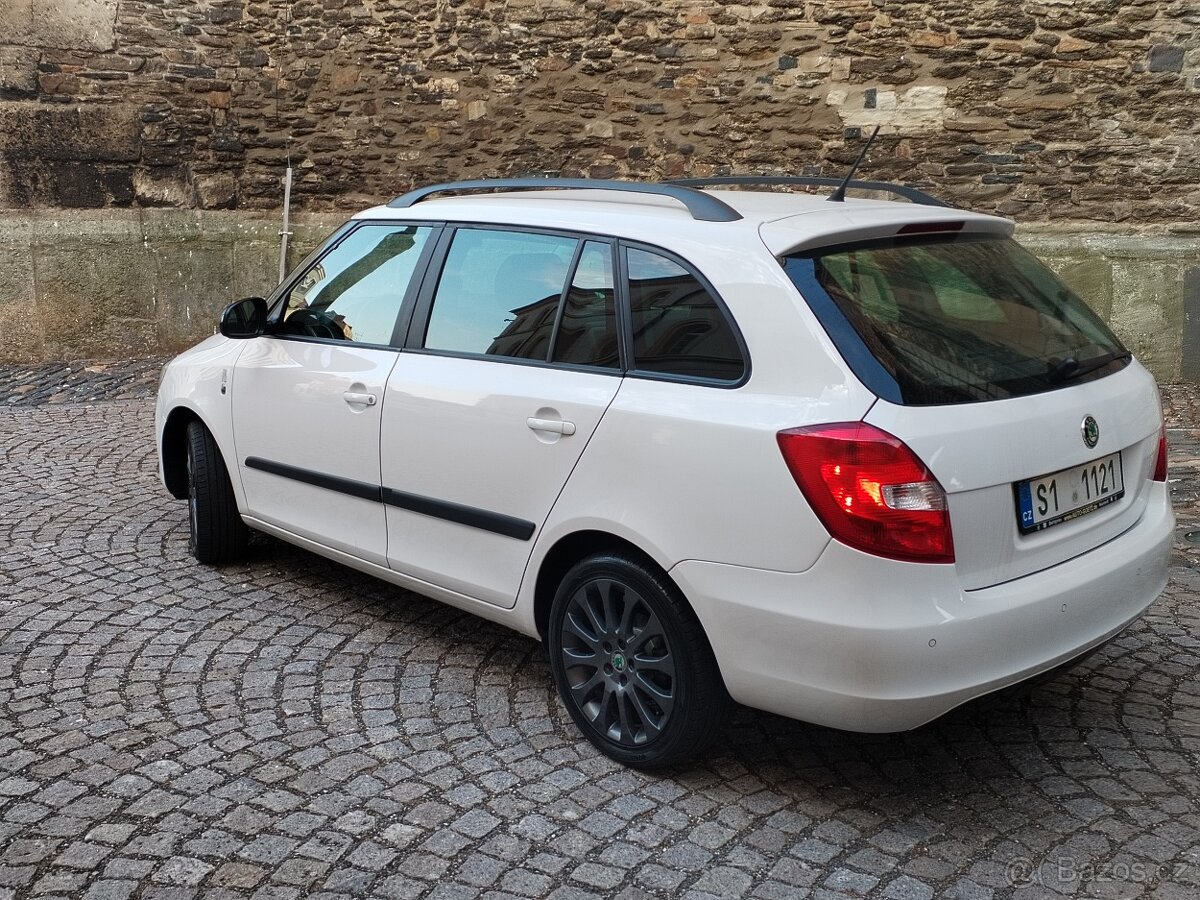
[940, 319]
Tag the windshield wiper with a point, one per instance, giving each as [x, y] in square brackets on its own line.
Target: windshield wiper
[1070, 368]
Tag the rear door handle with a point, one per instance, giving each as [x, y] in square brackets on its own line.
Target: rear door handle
[557, 426]
[358, 397]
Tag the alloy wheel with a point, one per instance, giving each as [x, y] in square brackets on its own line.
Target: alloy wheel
[618, 662]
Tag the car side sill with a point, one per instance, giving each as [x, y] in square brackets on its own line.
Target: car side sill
[505, 616]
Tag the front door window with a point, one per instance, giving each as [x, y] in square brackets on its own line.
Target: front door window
[354, 292]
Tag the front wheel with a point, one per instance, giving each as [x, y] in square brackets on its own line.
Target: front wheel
[217, 533]
[632, 663]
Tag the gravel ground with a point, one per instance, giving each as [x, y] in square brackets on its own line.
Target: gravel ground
[287, 727]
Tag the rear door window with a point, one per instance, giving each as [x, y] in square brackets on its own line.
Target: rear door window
[499, 293]
[954, 320]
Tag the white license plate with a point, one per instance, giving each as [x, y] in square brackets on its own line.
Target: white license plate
[1068, 494]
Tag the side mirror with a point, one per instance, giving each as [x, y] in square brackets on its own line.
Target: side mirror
[244, 318]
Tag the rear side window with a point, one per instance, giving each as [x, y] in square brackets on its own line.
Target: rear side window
[953, 320]
[678, 327]
[499, 293]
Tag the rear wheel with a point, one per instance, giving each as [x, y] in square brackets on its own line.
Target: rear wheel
[632, 664]
[217, 533]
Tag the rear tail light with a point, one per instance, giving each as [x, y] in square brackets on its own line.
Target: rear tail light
[1160, 465]
[870, 491]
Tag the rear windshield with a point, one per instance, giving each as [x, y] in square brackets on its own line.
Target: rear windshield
[953, 319]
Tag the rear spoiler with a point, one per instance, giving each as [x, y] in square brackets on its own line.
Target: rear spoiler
[854, 224]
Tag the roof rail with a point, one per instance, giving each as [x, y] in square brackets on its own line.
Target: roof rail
[702, 206]
[900, 190]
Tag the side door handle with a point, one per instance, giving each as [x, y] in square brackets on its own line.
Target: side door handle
[557, 426]
[359, 397]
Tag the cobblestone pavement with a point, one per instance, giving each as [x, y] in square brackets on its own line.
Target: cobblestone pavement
[289, 728]
[79, 382]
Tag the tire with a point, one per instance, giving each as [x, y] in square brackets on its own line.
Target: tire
[632, 664]
[217, 533]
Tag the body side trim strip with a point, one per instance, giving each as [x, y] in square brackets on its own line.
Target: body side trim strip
[509, 526]
[498, 523]
[318, 479]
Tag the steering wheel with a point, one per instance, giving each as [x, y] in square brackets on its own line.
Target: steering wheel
[313, 324]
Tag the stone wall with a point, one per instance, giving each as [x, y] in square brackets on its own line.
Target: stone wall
[1041, 110]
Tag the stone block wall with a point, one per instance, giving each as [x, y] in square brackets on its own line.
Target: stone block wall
[1146, 287]
[87, 284]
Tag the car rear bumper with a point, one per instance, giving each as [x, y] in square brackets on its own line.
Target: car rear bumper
[869, 644]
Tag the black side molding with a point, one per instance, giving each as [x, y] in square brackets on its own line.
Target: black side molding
[318, 479]
[498, 523]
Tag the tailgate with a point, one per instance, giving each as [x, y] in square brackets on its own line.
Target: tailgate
[979, 451]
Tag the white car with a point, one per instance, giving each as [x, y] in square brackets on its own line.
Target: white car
[851, 462]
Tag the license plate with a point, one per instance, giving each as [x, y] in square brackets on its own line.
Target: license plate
[1068, 494]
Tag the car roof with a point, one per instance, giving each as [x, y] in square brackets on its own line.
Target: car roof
[786, 221]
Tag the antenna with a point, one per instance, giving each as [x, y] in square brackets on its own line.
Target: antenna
[840, 194]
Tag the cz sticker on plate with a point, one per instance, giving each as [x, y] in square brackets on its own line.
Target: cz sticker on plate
[1069, 493]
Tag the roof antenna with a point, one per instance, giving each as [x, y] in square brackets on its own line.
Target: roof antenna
[840, 194]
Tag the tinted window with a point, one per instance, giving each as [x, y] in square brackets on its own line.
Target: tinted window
[678, 328]
[949, 321]
[498, 293]
[355, 291]
[587, 331]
